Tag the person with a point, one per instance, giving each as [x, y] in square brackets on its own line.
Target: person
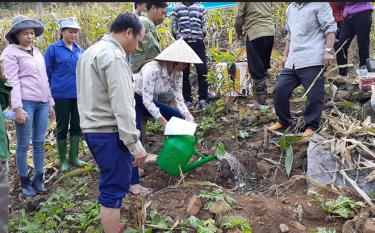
[61, 60]
[139, 7]
[158, 92]
[189, 21]
[105, 98]
[150, 46]
[357, 22]
[148, 49]
[254, 22]
[337, 8]
[310, 33]
[5, 89]
[31, 98]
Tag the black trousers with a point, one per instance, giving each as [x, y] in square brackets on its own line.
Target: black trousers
[292, 78]
[259, 56]
[66, 113]
[359, 25]
[200, 50]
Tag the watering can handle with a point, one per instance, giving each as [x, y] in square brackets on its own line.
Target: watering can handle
[196, 137]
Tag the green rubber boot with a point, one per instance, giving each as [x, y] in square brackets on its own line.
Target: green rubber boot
[73, 154]
[62, 150]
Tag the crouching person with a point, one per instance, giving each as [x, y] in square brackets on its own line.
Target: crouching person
[105, 98]
[310, 28]
[158, 90]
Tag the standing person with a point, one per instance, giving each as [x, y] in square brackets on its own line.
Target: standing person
[31, 98]
[139, 7]
[5, 89]
[189, 21]
[105, 97]
[310, 29]
[148, 49]
[357, 22]
[254, 20]
[150, 46]
[61, 60]
[337, 10]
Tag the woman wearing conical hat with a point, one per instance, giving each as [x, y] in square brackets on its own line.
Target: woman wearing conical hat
[31, 99]
[158, 91]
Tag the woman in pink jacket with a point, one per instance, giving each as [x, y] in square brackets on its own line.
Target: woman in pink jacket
[31, 98]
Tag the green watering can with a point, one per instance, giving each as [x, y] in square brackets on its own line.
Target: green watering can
[177, 151]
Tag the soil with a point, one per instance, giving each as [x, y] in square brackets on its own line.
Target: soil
[270, 199]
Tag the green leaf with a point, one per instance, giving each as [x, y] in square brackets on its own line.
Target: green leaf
[219, 149]
[288, 140]
[289, 159]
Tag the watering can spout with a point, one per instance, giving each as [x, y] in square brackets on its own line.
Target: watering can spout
[202, 161]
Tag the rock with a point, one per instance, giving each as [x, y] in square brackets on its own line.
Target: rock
[368, 226]
[263, 168]
[298, 226]
[283, 228]
[235, 230]
[220, 207]
[286, 201]
[366, 111]
[194, 206]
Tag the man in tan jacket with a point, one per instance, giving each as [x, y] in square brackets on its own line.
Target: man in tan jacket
[254, 21]
[105, 97]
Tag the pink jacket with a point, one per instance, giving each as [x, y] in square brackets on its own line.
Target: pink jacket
[27, 75]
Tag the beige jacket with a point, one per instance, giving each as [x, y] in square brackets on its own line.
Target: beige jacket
[105, 93]
[254, 19]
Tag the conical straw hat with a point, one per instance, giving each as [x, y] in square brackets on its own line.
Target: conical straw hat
[179, 51]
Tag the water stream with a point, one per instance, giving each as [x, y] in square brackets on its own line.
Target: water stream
[243, 178]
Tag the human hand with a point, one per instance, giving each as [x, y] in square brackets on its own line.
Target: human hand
[327, 59]
[163, 121]
[139, 159]
[1, 68]
[283, 61]
[52, 113]
[21, 116]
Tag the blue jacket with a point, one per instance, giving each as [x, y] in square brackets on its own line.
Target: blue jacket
[61, 63]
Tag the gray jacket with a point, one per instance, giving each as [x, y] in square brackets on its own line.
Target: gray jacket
[306, 26]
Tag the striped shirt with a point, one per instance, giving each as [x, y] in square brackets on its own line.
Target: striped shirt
[189, 21]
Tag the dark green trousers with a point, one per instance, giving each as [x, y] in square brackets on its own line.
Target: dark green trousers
[66, 114]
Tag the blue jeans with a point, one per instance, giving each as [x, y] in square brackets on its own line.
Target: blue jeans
[140, 111]
[36, 127]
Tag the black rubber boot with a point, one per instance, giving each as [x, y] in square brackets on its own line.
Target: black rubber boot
[38, 183]
[26, 187]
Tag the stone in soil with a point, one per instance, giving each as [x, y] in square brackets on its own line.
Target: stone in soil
[368, 226]
[194, 206]
[220, 207]
[298, 226]
[283, 228]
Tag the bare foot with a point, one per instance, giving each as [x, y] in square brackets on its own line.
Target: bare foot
[139, 189]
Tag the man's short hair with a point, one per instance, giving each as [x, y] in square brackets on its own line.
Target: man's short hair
[124, 21]
[156, 4]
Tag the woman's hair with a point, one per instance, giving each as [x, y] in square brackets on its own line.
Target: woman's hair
[124, 21]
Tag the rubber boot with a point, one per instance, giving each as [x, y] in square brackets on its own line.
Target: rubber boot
[26, 186]
[260, 90]
[73, 153]
[38, 183]
[62, 150]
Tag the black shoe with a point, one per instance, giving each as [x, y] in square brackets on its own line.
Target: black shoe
[38, 183]
[26, 187]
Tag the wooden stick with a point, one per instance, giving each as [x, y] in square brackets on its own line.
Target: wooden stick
[318, 76]
[357, 188]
